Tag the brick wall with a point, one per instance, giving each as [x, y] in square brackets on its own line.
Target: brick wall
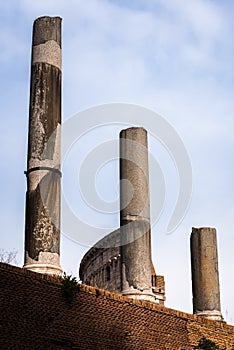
[35, 315]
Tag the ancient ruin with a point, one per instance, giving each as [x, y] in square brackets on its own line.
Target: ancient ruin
[120, 302]
[42, 228]
[126, 266]
[205, 273]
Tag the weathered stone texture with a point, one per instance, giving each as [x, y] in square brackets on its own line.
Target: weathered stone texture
[42, 234]
[134, 170]
[135, 212]
[44, 116]
[42, 225]
[136, 256]
[45, 29]
[205, 274]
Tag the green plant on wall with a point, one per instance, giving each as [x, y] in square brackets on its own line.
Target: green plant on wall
[206, 344]
[69, 287]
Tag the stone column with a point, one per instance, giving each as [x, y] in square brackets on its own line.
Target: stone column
[42, 231]
[135, 215]
[205, 273]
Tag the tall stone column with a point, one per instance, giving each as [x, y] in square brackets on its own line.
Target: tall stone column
[42, 231]
[135, 215]
[205, 273]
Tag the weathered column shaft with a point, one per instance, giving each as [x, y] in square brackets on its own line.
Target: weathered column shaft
[135, 214]
[42, 232]
[205, 274]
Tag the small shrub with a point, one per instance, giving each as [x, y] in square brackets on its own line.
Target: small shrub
[69, 287]
[206, 344]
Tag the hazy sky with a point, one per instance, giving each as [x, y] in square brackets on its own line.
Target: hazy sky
[174, 57]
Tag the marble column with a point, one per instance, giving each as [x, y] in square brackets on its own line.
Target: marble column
[205, 273]
[135, 215]
[42, 231]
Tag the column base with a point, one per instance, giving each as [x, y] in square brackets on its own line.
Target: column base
[47, 263]
[146, 295]
[214, 315]
[45, 269]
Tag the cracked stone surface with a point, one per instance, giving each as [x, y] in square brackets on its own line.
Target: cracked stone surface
[42, 233]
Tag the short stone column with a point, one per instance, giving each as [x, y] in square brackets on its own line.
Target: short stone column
[42, 231]
[205, 273]
[135, 215]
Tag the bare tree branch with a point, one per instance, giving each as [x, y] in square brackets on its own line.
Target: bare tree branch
[8, 257]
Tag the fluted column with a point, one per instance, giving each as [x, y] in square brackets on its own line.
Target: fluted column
[205, 273]
[42, 232]
[135, 214]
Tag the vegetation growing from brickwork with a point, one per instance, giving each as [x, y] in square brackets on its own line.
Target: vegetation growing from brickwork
[206, 344]
[70, 287]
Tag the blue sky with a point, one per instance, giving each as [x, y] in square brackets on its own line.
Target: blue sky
[174, 57]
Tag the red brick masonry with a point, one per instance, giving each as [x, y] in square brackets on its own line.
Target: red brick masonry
[35, 315]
